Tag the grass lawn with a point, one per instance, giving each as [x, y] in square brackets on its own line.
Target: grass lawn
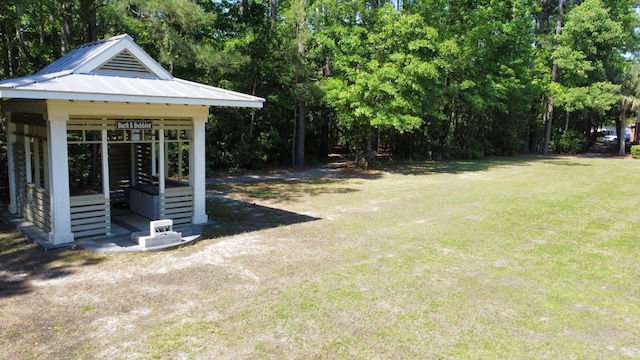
[507, 258]
[516, 258]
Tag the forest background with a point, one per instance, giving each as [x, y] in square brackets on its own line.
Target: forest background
[413, 79]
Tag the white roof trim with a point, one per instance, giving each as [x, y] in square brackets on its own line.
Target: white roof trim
[69, 86]
[78, 76]
[22, 94]
[125, 43]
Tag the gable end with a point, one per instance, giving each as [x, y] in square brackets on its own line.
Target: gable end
[124, 63]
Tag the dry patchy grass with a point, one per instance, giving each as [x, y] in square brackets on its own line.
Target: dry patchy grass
[502, 258]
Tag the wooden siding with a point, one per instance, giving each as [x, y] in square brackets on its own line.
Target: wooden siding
[38, 207]
[119, 169]
[21, 175]
[33, 202]
[90, 215]
[177, 204]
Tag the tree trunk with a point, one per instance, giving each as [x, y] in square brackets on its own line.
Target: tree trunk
[300, 81]
[324, 132]
[637, 136]
[274, 10]
[620, 126]
[241, 5]
[300, 129]
[66, 26]
[89, 10]
[548, 117]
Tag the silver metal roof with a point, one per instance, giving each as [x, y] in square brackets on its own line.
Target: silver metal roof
[118, 70]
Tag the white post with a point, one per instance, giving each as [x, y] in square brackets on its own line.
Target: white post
[105, 165]
[45, 156]
[36, 163]
[106, 181]
[179, 158]
[197, 170]
[162, 173]
[154, 155]
[27, 155]
[11, 139]
[59, 170]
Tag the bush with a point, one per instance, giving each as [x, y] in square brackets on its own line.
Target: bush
[571, 142]
[635, 151]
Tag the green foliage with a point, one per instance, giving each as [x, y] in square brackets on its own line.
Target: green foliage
[570, 142]
[635, 151]
[426, 79]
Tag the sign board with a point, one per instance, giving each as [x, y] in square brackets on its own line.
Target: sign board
[134, 124]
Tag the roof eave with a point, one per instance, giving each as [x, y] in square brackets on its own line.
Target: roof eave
[53, 95]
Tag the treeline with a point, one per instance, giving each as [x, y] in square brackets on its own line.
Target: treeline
[414, 79]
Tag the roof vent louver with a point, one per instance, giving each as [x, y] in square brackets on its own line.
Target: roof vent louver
[124, 64]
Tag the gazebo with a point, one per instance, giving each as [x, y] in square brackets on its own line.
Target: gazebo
[106, 128]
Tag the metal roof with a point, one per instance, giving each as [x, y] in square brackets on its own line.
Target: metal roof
[118, 70]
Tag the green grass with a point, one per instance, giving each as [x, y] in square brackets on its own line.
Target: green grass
[516, 258]
[507, 258]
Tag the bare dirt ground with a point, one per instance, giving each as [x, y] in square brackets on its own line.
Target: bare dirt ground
[73, 304]
[76, 304]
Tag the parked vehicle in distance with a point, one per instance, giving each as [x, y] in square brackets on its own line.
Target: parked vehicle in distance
[610, 138]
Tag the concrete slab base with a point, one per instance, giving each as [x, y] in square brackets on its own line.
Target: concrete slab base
[148, 241]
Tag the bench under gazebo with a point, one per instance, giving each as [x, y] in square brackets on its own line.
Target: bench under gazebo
[104, 130]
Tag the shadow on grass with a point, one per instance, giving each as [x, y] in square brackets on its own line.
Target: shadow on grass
[21, 260]
[289, 190]
[459, 166]
[235, 217]
[293, 187]
[564, 162]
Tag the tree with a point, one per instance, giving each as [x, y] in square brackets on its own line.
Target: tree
[298, 19]
[383, 72]
[629, 100]
[548, 117]
[589, 53]
[176, 32]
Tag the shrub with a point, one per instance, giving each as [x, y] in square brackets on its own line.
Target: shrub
[571, 142]
[635, 151]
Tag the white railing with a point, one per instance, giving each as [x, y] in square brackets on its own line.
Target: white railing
[177, 204]
[90, 215]
[38, 207]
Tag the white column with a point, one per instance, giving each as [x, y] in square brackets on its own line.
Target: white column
[59, 170]
[180, 165]
[36, 163]
[11, 139]
[45, 156]
[28, 159]
[154, 156]
[163, 172]
[164, 155]
[106, 186]
[197, 170]
[105, 165]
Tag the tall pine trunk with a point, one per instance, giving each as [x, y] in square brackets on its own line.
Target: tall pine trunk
[301, 117]
[548, 116]
[620, 128]
[301, 108]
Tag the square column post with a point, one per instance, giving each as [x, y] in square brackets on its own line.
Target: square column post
[59, 179]
[11, 139]
[197, 170]
[162, 174]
